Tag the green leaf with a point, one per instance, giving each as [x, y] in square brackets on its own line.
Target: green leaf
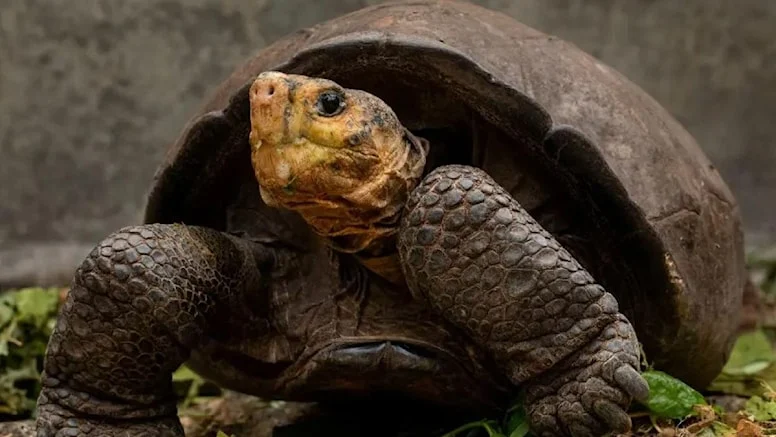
[6, 336]
[761, 409]
[185, 374]
[7, 321]
[15, 400]
[490, 426]
[36, 305]
[223, 434]
[745, 385]
[493, 430]
[669, 397]
[187, 385]
[7, 309]
[752, 363]
[521, 430]
[517, 422]
[26, 322]
[752, 353]
[717, 429]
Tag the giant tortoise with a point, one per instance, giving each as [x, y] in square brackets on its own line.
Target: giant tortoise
[425, 199]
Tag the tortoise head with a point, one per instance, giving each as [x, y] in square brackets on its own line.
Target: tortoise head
[339, 157]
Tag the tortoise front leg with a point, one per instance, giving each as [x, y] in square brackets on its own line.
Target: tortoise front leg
[488, 267]
[139, 303]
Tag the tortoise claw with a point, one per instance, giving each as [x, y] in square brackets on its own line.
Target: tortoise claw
[632, 382]
[614, 416]
[592, 388]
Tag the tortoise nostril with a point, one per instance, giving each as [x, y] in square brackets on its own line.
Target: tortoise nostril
[271, 90]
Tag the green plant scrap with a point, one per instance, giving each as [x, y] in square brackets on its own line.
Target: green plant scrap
[27, 319]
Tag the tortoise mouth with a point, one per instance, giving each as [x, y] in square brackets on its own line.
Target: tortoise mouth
[396, 368]
[388, 354]
[384, 355]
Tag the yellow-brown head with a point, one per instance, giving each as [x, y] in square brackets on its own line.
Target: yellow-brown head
[339, 157]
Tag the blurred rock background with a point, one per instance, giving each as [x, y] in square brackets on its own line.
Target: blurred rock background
[92, 91]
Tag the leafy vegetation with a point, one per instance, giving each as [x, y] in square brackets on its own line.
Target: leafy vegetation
[27, 318]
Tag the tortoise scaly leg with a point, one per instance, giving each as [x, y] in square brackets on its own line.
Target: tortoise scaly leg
[488, 267]
[139, 303]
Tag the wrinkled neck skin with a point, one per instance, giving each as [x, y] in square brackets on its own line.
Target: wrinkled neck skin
[364, 219]
[379, 238]
[375, 220]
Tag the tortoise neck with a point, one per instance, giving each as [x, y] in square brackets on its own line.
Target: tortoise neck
[368, 227]
[382, 257]
[379, 253]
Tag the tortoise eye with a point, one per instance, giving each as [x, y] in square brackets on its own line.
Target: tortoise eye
[330, 103]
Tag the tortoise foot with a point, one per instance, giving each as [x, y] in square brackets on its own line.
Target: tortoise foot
[589, 393]
[56, 421]
[139, 303]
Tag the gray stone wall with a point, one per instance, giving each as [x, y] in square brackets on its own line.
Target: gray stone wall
[91, 91]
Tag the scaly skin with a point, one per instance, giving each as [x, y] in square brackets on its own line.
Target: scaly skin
[140, 302]
[480, 260]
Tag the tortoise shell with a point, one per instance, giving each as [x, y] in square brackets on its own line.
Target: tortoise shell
[599, 163]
